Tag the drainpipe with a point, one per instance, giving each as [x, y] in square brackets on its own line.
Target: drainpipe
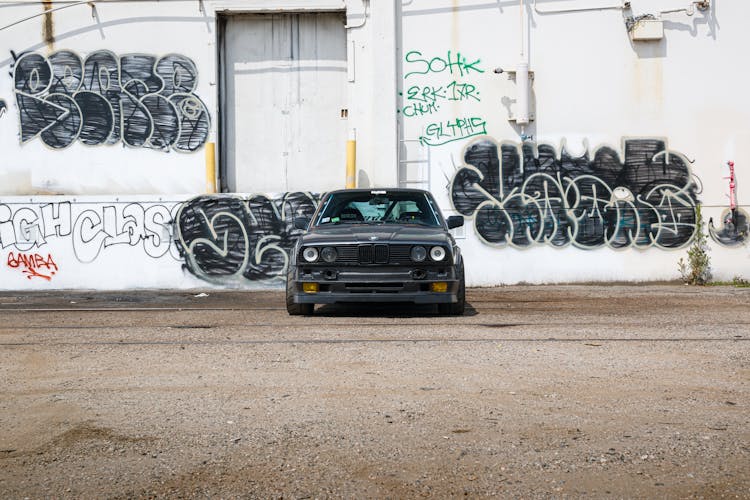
[522, 79]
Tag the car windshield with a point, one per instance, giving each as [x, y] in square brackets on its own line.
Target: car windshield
[378, 207]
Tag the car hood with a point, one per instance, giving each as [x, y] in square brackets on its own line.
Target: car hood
[375, 233]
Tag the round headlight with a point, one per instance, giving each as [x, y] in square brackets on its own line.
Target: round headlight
[329, 254]
[437, 253]
[418, 254]
[310, 254]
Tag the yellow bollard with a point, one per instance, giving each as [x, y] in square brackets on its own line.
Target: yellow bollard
[210, 167]
[351, 161]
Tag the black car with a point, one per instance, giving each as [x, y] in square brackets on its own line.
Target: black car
[376, 245]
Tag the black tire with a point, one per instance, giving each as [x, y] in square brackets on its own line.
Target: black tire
[292, 307]
[456, 308]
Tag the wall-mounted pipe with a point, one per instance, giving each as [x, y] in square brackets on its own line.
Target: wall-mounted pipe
[65, 4]
[690, 9]
[522, 93]
[365, 4]
[521, 26]
[622, 6]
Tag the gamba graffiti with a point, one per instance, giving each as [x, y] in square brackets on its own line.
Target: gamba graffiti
[523, 195]
[139, 99]
[228, 239]
[33, 265]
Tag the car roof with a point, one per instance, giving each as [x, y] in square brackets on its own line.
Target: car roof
[379, 190]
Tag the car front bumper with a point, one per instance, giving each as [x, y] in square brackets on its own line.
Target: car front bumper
[375, 285]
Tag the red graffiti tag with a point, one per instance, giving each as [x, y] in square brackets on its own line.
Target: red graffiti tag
[33, 265]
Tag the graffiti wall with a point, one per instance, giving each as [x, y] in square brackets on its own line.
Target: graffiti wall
[121, 103]
[104, 122]
[223, 240]
[233, 240]
[514, 196]
[529, 194]
[425, 103]
[603, 180]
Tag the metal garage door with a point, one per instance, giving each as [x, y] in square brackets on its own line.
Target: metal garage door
[282, 94]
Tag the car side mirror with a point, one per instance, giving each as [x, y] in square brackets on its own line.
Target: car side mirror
[301, 222]
[455, 221]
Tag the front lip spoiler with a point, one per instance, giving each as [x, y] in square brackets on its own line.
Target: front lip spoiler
[375, 297]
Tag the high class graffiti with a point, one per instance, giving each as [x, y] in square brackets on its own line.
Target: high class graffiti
[522, 195]
[135, 98]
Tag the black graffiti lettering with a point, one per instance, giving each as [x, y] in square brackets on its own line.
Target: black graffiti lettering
[63, 131]
[733, 230]
[140, 69]
[194, 122]
[227, 239]
[137, 122]
[37, 115]
[102, 76]
[97, 123]
[178, 74]
[212, 235]
[67, 72]
[137, 99]
[32, 74]
[165, 121]
[526, 195]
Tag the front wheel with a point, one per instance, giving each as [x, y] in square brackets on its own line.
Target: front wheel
[456, 308]
[293, 308]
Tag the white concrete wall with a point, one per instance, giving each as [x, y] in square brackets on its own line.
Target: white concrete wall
[156, 29]
[593, 89]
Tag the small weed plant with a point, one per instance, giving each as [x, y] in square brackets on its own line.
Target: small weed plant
[697, 269]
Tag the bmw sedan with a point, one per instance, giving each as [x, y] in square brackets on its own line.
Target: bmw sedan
[379, 245]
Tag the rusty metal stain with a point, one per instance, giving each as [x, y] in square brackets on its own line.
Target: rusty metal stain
[48, 25]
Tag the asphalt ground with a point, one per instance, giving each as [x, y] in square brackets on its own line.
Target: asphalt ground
[537, 392]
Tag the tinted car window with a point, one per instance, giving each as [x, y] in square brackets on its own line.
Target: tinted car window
[377, 208]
